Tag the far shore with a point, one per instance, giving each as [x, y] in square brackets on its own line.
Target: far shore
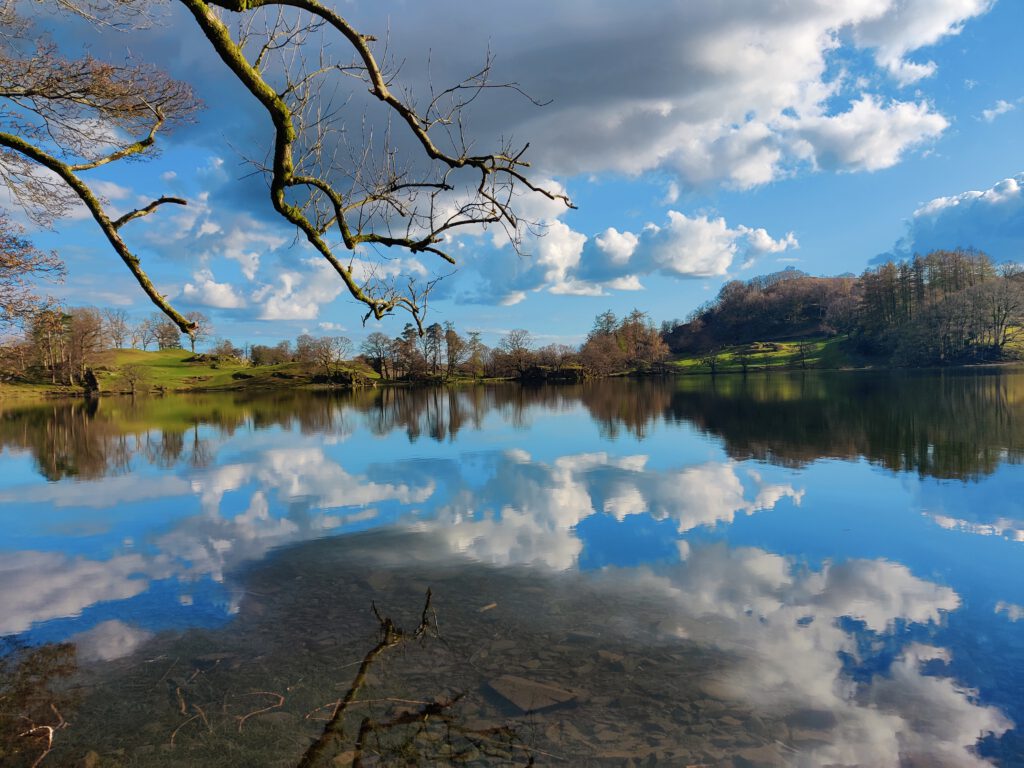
[272, 378]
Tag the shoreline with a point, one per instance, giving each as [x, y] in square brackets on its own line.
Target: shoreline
[35, 392]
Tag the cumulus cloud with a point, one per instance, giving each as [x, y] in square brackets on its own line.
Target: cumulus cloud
[568, 262]
[245, 243]
[720, 94]
[298, 295]
[727, 93]
[869, 136]
[206, 292]
[782, 623]
[528, 511]
[38, 586]
[683, 246]
[897, 28]
[991, 220]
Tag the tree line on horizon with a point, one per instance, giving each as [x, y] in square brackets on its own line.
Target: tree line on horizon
[953, 306]
[945, 307]
[61, 345]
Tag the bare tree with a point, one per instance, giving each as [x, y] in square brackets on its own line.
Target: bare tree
[86, 340]
[116, 327]
[20, 264]
[516, 346]
[135, 377]
[477, 354]
[331, 350]
[166, 334]
[202, 328]
[456, 350]
[144, 333]
[305, 349]
[61, 118]
[294, 57]
[376, 349]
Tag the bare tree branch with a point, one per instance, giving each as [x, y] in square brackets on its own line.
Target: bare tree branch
[329, 175]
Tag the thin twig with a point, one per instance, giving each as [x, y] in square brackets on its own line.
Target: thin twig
[279, 704]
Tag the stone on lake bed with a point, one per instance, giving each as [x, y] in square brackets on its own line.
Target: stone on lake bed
[529, 695]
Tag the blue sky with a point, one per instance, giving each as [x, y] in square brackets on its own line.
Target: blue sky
[701, 143]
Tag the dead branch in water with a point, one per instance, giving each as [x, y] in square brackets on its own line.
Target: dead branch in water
[390, 636]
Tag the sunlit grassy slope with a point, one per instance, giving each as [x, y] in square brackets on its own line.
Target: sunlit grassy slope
[819, 353]
[172, 370]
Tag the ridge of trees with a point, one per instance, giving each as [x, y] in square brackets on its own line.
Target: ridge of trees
[948, 306]
[60, 346]
[945, 307]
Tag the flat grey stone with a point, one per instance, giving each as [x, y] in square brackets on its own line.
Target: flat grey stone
[529, 695]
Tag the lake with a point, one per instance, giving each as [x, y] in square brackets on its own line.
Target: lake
[793, 570]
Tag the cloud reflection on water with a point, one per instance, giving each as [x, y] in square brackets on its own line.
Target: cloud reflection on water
[790, 632]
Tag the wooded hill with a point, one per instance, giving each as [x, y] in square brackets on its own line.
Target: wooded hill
[946, 307]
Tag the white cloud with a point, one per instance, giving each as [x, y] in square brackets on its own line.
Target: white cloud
[110, 190]
[1001, 108]
[991, 220]
[689, 247]
[513, 298]
[1013, 611]
[328, 326]
[618, 246]
[625, 283]
[109, 640]
[206, 292]
[558, 253]
[761, 242]
[683, 246]
[723, 93]
[869, 136]
[528, 511]
[903, 26]
[246, 243]
[780, 623]
[568, 262]
[1006, 528]
[298, 295]
[671, 193]
[38, 586]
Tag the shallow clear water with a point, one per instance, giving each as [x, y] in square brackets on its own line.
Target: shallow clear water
[782, 570]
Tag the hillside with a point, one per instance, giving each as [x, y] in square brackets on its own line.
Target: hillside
[180, 370]
[832, 353]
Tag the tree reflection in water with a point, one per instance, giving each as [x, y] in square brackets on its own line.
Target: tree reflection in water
[706, 654]
[958, 425]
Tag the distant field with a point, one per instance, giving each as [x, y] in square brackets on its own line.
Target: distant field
[170, 369]
[818, 353]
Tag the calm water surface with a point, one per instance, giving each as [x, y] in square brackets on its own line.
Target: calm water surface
[786, 570]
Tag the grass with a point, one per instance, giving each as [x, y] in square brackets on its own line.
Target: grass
[173, 370]
[820, 353]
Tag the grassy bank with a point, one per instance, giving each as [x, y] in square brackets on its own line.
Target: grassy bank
[177, 370]
[820, 353]
[180, 371]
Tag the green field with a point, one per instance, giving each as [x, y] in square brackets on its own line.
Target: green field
[822, 354]
[174, 370]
